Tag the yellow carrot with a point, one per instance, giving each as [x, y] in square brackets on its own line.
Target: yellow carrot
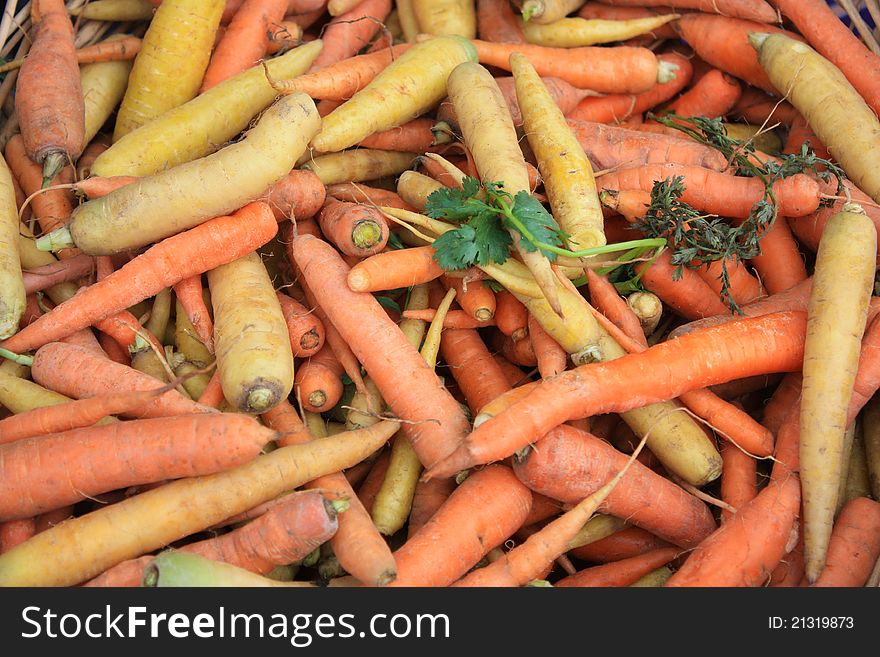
[577, 32]
[446, 17]
[103, 86]
[168, 69]
[12, 293]
[359, 164]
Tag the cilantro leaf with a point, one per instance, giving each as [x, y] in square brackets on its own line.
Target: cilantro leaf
[456, 249]
[455, 204]
[492, 241]
[539, 223]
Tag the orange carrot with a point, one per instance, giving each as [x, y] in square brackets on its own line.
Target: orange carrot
[318, 383]
[428, 497]
[93, 460]
[568, 465]
[51, 116]
[285, 534]
[306, 330]
[390, 270]
[613, 70]
[720, 193]
[743, 286]
[356, 230]
[740, 348]
[343, 79]
[830, 37]
[722, 41]
[357, 544]
[476, 299]
[478, 376]
[755, 10]
[80, 373]
[563, 93]
[780, 264]
[622, 572]
[739, 483]
[212, 395]
[300, 195]
[347, 33]
[245, 40]
[188, 291]
[482, 512]
[455, 319]
[799, 134]
[72, 415]
[755, 539]
[610, 146]
[496, 22]
[90, 153]
[622, 544]
[112, 349]
[552, 358]
[371, 485]
[520, 352]
[511, 315]
[855, 545]
[13, 532]
[415, 136]
[219, 241]
[358, 193]
[713, 95]
[605, 298]
[620, 105]
[781, 402]
[689, 296]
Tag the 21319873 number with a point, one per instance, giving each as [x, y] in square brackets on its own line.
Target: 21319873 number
[811, 623]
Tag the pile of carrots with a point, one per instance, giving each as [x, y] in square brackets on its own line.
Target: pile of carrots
[439, 293]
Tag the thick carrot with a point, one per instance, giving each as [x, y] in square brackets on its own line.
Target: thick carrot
[134, 526]
[244, 42]
[623, 572]
[755, 539]
[568, 465]
[828, 101]
[358, 164]
[780, 264]
[252, 343]
[72, 415]
[478, 376]
[51, 117]
[496, 22]
[80, 373]
[614, 70]
[410, 85]
[72, 269]
[720, 193]
[220, 241]
[605, 298]
[482, 512]
[204, 124]
[743, 286]
[842, 286]
[168, 70]
[416, 136]
[285, 534]
[361, 321]
[298, 195]
[475, 298]
[713, 95]
[393, 269]
[620, 105]
[854, 546]
[739, 483]
[708, 356]
[317, 384]
[347, 33]
[116, 48]
[355, 229]
[610, 146]
[93, 460]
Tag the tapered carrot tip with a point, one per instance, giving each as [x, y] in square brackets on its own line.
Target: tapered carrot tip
[52, 166]
[459, 460]
[757, 39]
